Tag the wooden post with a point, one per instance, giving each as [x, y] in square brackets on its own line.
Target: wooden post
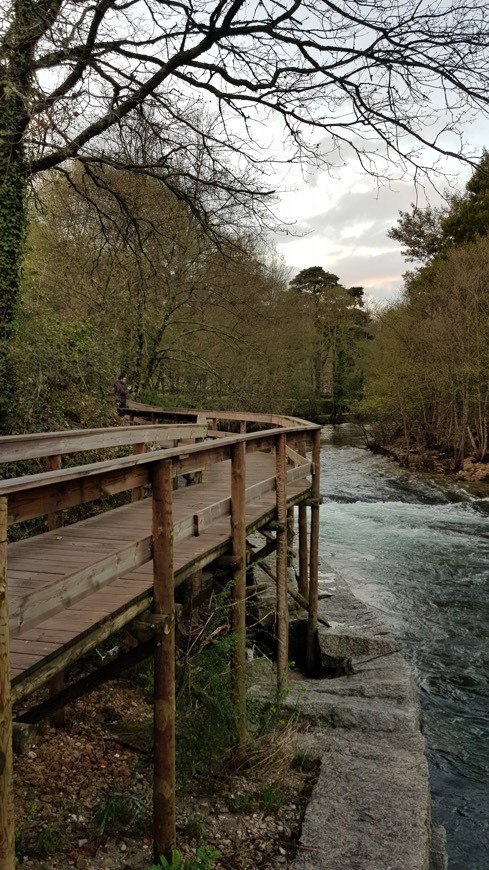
[138, 492]
[303, 580]
[56, 685]
[55, 520]
[238, 543]
[7, 834]
[164, 812]
[242, 427]
[199, 475]
[176, 443]
[282, 614]
[312, 625]
[290, 536]
[195, 590]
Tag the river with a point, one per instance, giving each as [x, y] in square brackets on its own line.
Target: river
[416, 548]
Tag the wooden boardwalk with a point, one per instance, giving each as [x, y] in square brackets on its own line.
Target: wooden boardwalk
[57, 592]
[73, 586]
[64, 591]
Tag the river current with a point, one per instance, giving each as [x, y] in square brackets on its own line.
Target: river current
[416, 548]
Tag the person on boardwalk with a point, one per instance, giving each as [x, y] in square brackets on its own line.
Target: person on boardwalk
[121, 391]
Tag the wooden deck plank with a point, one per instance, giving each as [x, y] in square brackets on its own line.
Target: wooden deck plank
[23, 645]
[57, 636]
[26, 577]
[40, 562]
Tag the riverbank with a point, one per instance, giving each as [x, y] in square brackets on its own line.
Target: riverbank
[435, 461]
[371, 807]
[414, 548]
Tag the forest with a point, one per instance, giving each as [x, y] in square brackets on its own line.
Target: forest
[427, 387]
[121, 276]
[141, 147]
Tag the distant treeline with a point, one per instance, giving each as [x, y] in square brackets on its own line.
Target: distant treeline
[428, 368]
[120, 275]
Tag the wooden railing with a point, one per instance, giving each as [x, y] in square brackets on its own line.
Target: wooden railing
[17, 448]
[51, 492]
[52, 446]
[37, 494]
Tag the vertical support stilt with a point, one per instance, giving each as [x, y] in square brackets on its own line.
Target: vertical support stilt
[56, 685]
[55, 520]
[164, 813]
[195, 589]
[312, 625]
[290, 536]
[303, 579]
[282, 604]
[138, 491]
[7, 837]
[238, 542]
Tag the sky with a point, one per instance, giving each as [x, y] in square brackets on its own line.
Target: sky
[341, 222]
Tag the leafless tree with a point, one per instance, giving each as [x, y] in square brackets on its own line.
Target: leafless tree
[294, 78]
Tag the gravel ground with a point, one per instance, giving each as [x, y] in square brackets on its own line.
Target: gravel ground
[83, 794]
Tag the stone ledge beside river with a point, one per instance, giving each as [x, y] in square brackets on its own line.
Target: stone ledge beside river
[370, 808]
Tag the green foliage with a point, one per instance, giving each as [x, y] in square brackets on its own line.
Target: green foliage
[196, 828]
[338, 328]
[63, 377]
[205, 859]
[118, 812]
[13, 222]
[430, 233]
[192, 323]
[427, 381]
[241, 803]
[271, 798]
[420, 231]
[22, 829]
[427, 370]
[206, 723]
[468, 215]
[49, 841]
[314, 280]
[303, 762]
[144, 676]
[32, 839]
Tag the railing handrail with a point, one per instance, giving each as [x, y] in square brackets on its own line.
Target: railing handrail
[35, 495]
[37, 445]
[39, 494]
[30, 481]
[282, 420]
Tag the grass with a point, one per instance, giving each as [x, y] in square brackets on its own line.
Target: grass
[205, 858]
[272, 798]
[116, 813]
[303, 762]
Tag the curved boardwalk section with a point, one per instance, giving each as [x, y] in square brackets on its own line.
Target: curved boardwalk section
[196, 484]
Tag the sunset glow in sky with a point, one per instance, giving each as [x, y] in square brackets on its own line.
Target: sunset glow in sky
[341, 224]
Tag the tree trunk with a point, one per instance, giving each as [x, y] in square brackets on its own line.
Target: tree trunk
[15, 83]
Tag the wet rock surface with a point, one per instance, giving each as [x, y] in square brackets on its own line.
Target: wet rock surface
[370, 808]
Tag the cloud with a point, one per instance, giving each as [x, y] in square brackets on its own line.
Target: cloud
[343, 227]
